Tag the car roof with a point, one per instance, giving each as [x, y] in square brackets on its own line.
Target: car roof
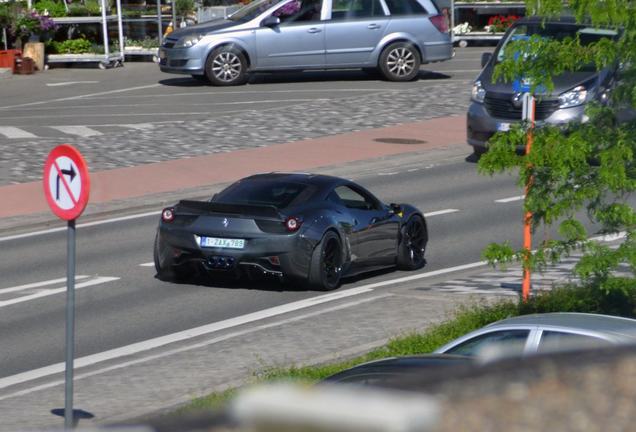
[575, 321]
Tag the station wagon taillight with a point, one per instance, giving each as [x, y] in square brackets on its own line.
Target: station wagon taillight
[439, 21]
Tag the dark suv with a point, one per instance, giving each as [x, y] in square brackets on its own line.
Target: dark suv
[495, 106]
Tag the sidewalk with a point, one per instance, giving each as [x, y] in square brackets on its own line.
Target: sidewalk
[125, 186]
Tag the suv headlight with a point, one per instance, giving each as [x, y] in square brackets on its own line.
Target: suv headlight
[478, 93]
[188, 41]
[576, 96]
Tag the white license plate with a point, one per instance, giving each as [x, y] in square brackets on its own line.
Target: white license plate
[215, 242]
[503, 127]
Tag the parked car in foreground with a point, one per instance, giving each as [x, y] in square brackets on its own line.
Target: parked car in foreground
[394, 36]
[385, 371]
[312, 228]
[539, 333]
[495, 106]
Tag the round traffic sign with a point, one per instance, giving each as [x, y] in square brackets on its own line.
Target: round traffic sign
[66, 182]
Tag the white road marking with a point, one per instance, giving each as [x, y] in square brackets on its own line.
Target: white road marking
[14, 132]
[69, 83]
[82, 131]
[225, 337]
[83, 225]
[388, 173]
[37, 284]
[440, 212]
[412, 170]
[181, 336]
[148, 264]
[138, 126]
[511, 199]
[48, 292]
[83, 96]
[218, 93]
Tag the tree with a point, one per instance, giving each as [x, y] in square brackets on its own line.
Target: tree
[583, 168]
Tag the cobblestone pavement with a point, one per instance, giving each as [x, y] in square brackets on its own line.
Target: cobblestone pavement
[21, 160]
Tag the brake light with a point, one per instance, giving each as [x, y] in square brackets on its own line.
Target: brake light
[167, 215]
[439, 21]
[293, 223]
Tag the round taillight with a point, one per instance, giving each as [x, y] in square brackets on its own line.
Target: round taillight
[167, 215]
[292, 224]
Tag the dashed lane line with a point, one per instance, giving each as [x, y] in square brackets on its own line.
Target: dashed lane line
[48, 292]
[511, 199]
[37, 284]
[82, 131]
[14, 132]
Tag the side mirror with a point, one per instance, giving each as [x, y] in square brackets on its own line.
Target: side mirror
[395, 208]
[270, 21]
[485, 58]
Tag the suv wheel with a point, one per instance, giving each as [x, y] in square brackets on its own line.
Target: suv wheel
[400, 61]
[226, 66]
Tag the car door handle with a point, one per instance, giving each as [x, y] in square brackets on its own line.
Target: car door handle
[374, 26]
[314, 30]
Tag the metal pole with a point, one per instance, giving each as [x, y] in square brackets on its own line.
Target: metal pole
[528, 115]
[159, 23]
[120, 32]
[174, 15]
[70, 324]
[105, 30]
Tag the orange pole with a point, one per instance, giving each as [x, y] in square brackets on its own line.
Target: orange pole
[527, 232]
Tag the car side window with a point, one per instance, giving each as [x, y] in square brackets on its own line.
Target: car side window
[352, 9]
[405, 7]
[299, 11]
[511, 342]
[555, 340]
[355, 200]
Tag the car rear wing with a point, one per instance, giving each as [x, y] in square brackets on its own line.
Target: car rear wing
[188, 207]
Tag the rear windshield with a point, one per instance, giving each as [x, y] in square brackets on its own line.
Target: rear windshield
[555, 31]
[277, 193]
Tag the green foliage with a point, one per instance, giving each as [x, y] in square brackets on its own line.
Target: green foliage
[70, 46]
[587, 168]
[54, 8]
[184, 7]
[89, 8]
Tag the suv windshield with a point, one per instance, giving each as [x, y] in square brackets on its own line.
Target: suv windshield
[280, 194]
[252, 10]
[555, 31]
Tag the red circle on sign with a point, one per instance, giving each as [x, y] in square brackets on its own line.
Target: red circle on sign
[57, 178]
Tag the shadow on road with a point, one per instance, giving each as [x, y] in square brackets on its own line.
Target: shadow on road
[304, 77]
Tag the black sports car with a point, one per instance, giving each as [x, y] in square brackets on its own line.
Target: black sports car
[312, 228]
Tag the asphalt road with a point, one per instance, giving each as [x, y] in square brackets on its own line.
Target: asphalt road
[134, 306]
[140, 93]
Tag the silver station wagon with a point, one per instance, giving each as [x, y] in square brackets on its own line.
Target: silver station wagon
[394, 36]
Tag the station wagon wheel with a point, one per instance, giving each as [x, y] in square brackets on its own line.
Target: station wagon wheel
[326, 263]
[400, 61]
[413, 244]
[226, 66]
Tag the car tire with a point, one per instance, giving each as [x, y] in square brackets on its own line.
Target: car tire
[164, 268]
[326, 263]
[201, 78]
[226, 66]
[412, 246]
[400, 61]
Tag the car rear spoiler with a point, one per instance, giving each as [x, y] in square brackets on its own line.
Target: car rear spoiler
[244, 210]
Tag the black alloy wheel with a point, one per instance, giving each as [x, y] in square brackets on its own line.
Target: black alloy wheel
[400, 61]
[226, 66]
[326, 263]
[413, 244]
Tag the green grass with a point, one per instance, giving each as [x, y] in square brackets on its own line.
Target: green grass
[619, 300]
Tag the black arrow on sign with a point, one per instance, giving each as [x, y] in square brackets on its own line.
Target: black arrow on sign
[69, 172]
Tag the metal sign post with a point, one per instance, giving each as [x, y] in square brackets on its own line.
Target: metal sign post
[528, 115]
[66, 188]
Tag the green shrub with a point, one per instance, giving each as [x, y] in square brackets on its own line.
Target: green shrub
[55, 8]
[70, 46]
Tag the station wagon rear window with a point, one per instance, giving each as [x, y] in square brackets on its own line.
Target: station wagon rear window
[405, 7]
